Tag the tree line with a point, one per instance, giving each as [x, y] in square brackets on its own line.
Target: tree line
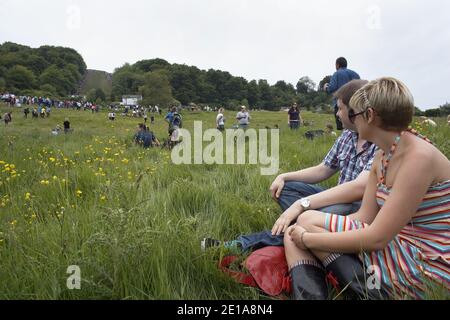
[58, 72]
[44, 71]
[162, 83]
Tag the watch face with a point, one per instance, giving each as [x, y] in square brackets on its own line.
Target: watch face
[305, 203]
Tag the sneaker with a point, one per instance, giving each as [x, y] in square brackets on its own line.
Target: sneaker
[207, 243]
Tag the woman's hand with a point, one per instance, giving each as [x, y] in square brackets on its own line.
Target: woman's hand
[296, 233]
[285, 220]
[276, 187]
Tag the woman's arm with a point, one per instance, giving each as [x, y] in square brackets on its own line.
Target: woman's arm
[411, 184]
[369, 207]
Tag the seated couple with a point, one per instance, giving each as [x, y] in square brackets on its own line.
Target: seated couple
[400, 231]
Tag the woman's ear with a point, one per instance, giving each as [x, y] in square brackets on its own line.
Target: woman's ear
[370, 114]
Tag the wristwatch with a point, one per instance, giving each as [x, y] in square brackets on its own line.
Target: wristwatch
[305, 203]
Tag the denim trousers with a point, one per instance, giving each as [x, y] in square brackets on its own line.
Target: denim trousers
[292, 191]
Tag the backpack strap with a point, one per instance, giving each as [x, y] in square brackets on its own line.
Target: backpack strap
[240, 277]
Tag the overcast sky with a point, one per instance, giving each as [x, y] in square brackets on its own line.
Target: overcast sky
[256, 39]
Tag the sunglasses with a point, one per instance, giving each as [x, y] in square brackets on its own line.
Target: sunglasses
[352, 115]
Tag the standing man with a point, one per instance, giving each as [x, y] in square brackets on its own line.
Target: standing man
[340, 78]
[243, 118]
[220, 120]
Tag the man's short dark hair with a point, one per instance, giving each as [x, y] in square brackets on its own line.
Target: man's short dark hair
[346, 92]
[341, 62]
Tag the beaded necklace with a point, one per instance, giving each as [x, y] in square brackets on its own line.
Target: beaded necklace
[385, 163]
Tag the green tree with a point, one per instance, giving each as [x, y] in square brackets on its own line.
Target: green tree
[2, 84]
[48, 89]
[56, 78]
[267, 96]
[20, 77]
[253, 93]
[156, 89]
[151, 65]
[183, 84]
[305, 85]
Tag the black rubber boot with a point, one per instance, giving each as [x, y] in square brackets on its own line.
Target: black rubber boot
[348, 271]
[308, 283]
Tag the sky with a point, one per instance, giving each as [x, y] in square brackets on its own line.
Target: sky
[255, 39]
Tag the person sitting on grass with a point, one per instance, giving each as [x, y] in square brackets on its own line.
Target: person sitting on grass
[298, 191]
[7, 118]
[401, 232]
[145, 137]
[329, 130]
[57, 130]
[67, 126]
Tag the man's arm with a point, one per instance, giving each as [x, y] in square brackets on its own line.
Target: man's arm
[333, 86]
[310, 175]
[345, 193]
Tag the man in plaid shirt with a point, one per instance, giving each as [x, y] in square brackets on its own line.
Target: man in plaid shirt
[297, 192]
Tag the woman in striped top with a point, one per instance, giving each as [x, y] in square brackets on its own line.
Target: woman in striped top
[398, 243]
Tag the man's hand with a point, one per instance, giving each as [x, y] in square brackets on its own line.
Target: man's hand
[286, 219]
[277, 187]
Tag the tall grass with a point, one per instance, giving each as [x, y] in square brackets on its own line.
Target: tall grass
[129, 218]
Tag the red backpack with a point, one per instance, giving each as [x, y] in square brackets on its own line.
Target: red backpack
[267, 269]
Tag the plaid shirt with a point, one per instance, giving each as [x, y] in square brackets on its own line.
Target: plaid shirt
[344, 157]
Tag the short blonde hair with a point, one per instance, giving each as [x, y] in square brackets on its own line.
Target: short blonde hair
[390, 98]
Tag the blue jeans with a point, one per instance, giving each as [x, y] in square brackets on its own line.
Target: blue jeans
[294, 124]
[292, 191]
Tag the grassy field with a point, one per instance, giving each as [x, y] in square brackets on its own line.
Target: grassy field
[130, 219]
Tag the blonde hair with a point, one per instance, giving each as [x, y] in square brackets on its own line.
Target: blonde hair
[390, 98]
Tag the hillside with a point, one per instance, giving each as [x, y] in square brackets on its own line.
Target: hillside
[96, 79]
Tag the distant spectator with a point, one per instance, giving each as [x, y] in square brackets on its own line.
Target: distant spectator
[67, 126]
[56, 131]
[26, 111]
[294, 119]
[340, 78]
[448, 120]
[220, 120]
[427, 122]
[145, 138]
[243, 118]
[329, 130]
[174, 136]
[7, 118]
[169, 116]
